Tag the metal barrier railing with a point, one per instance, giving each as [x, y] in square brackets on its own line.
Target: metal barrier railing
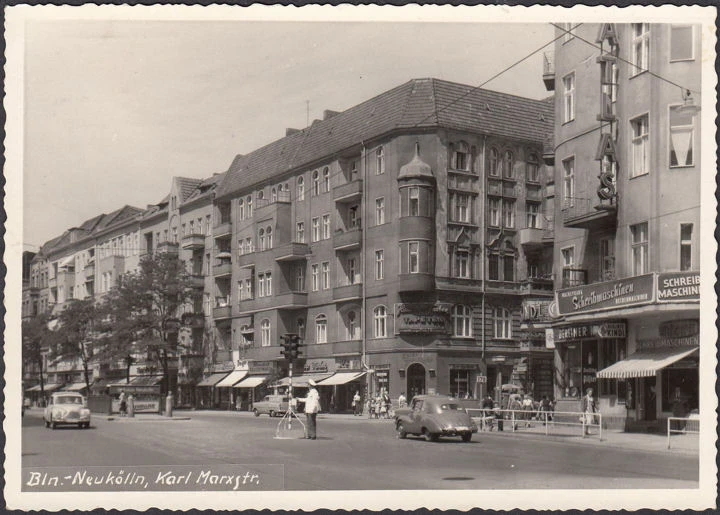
[488, 419]
[682, 425]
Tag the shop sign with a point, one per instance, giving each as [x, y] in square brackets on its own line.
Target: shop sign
[422, 318]
[347, 364]
[241, 364]
[481, 379]
[260, 367]
[678, 286]
[679, 328]
[664, 343]
[319, 366]
[536, 310]
[586, 331]
[631, 291]
[462, 366]
[549, 338]
[224, 366]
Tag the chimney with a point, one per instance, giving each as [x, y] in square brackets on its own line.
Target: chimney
[289, 131]
[327, 114]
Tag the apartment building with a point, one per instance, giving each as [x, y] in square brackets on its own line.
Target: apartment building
[406, 240]
[627, 214]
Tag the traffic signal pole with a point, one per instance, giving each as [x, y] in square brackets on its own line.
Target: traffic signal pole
[290, 344]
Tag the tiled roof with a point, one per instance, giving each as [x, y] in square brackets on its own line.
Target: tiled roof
[118, 215]
[186, 186]
[419, 103]
[204, 187]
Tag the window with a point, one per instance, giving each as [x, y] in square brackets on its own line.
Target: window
[380, 322]
[316, 183]
[273, 195]
[248, 289]
[509, 213]
[300, 278]
[414, 255]
[681, 137]
[301, 188]
[569, 98]
[380, 161]
[249, 245]
[315, 277]
[380, 211]
[639, 248]
[353, 216]
[265, 284]
[321, 329]
[568, 182]
[640, 141]
[352, 271]
[261, 195]
[568, 256]
[316, 229]
[326, 179]
[354, 170]
[461, 157]
[414, 201]
[265, 333]
[640, 47]
[462, 207]
[532, 169]
[300, 232]
[248, 208]
[462, 321]
[508, 165]
[686, 246]
[379, 264]
[681, 43]
[326, 275]
[241, 247]
[261, 238]
[300, 324]
[533, 270]
[607, 259]
[567, 34]
[494, 212]
[533, 221]
[493, 162]
[462, 264]
[508, 268]
[351, 326]
[502, 323]
[326, 226]
[268, 238]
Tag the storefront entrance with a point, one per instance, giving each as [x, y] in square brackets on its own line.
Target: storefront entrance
[650, 398]
[415, 380]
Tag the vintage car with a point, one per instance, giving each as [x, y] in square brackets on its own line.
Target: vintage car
[432, 416]
[66, 408]
[271, 405]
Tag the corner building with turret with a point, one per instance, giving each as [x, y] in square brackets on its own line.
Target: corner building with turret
[408, 240]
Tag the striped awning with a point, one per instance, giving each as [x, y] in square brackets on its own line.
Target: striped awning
[49, 387]
[302, 381]
[341, 378]
[251, 382]
[213, 379]
[74, 387]
[645, 363]
[232, 378]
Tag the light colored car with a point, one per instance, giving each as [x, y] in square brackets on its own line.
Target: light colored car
[433, 416]
[271, 405]
[66, 408]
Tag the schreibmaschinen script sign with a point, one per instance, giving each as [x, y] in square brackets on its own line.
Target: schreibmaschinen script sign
[631, 291]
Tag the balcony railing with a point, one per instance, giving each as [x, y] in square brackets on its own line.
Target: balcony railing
[584, 213]
[193, 241]
[223, 229]
[549, 70]
[347, 292]
[197, 281]
[537, 285]
[291, 252]
[347, 240]
[90, 271]
[223, 268]
[222, 312]
[348, 192]
[574, 277]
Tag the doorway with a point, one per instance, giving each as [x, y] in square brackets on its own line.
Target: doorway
[650, 398]
[415, 380]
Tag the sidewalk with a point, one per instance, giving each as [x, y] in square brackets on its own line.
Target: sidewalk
[141, 417]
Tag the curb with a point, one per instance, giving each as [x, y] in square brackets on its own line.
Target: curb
[143, 419]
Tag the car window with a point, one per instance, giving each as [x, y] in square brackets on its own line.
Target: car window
[417, 405]
[267, 398]
[447, 407]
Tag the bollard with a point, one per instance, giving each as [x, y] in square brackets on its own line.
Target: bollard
[130, 406]
[169, 405]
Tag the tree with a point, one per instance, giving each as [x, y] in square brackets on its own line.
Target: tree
[143, 310]
[79, 330]
[35, 338]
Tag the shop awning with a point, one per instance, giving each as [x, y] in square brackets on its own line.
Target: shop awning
[341, 378]
[48, 387]
[213, 379]
[302, 381]
[645, 363]
[251, 382]
[146, 380]
[74, 387]
[232, 378]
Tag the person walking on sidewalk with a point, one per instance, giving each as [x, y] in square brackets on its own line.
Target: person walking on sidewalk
[123, 404]
[312, 407]
[588, 408]
[357, 404]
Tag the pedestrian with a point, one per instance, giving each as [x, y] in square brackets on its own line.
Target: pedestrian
[527, 406]
[402, 401]
[588, 409]
[386, 404]
[312, 407]
[515, 407]
[356, 403]
[545, 409]
[123, 404]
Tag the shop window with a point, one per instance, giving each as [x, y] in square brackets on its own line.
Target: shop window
[579, 368]
[459, 383]
[680, 390]
[610, 352]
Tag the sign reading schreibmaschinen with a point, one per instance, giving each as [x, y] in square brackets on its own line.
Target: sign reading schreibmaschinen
[678, 286]
[631, 291]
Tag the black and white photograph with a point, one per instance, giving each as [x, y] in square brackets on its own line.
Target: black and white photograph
[356, 257]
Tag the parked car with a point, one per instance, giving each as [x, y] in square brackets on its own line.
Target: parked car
[433, 416]
[66, 408]
[271, 405]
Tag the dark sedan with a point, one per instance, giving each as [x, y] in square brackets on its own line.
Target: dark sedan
[433, 416]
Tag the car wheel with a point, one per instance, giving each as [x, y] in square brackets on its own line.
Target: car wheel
[466, 437]
[53, 425]
[429, 437]
[402, 434]
[272, 413]
[256, 412]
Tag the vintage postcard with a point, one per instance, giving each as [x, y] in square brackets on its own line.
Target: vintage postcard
[360, 257]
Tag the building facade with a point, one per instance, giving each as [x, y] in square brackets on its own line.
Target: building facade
[627, 214]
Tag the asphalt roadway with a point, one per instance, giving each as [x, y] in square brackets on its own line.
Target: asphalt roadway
[355, 454]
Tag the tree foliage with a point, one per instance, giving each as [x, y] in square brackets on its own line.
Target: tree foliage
[35, 338]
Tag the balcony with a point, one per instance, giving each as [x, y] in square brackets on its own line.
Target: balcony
[326, 350]
[291, 252]
[585, 213]
[168, 247]
[246, 260]
[537, 286]
[533, 193]
[549, 70]
[416, 282]
[223, 229]
[89, 271]
[348, 192]
[193, 320]
[223, 269]
[222, 312]
[347, 292]
[574, 277]
[347, 240]
[502, 286]
[52, 282]
[279, 208]
[286, 300]
[193, 241]
[196, 281]
[531, 237]
[459, 284]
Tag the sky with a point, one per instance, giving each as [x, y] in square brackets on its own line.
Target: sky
[114, 109]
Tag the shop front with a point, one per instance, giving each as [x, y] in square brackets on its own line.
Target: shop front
[411, 373]
[348, 379]
[254, 386]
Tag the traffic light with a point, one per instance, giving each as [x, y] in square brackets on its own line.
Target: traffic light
[295, 344]
[285, 344]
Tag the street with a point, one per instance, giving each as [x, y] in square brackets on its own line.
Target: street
[354, 453]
